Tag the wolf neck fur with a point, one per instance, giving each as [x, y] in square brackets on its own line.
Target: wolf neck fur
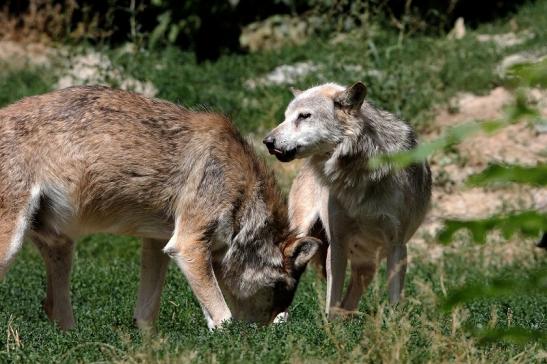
[370, 133]
[256, 221]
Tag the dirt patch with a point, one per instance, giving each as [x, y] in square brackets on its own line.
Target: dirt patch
[521, 143]
[469, 107]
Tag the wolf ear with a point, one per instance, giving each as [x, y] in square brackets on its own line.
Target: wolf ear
[352, 96]
[301, 251]
[295, 91]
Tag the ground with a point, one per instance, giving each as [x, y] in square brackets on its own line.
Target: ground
[434, 82]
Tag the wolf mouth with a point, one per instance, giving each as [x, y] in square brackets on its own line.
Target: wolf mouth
[283, 156]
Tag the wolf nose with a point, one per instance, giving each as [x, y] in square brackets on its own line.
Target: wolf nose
[269, 141]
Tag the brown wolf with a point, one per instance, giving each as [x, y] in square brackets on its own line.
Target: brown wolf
[365, 214]
[92, 159]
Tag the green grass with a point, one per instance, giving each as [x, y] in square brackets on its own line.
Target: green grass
[104, 284]
[418, 74]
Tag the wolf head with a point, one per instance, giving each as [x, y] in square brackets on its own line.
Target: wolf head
[266, 289]
[316, 120]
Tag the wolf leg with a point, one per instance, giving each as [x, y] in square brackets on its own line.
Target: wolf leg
[396, 270]
[57, 252]
[336, 271]
[192, 255]
[154, 264]
[337, 257]
[16, 211]
[10, 239]
[361, 276]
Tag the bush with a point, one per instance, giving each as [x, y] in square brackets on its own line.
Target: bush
[212, 27]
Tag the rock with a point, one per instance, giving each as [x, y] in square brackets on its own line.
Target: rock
[19, 55]
[458, 32]
[507, 39]
[274, 32]
[517, 59]
[94, 68]
[286, 74]
[541, 127]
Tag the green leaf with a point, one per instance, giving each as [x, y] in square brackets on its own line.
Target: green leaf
[159, 31]
[497, 288]
[531, 74]
[527, 223]
[514, 335]
[497, 173]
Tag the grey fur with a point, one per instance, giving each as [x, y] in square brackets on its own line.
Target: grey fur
[367, 214]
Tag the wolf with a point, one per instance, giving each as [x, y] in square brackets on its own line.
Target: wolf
[92, 159]
[363, 214]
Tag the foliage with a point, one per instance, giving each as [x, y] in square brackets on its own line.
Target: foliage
[525, 223]
[212, 27]
[104, 284]
[496, 173]
[23, 83]
[411, 77]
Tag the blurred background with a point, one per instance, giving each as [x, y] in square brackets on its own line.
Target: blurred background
[469, 76]
[211, 28]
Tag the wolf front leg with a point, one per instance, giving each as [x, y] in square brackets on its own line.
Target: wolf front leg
[154, 264]
[396, 271]
[337, 258]
[336, 271]
[192, 255]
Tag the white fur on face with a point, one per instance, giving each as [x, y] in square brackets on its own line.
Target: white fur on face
[315, 134]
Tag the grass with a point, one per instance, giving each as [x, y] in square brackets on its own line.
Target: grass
[408, 77]
[104, 285]
[413, 77]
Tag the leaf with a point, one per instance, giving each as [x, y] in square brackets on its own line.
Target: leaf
[497, 173]
[159, 31]
[514, 335]
[497, 288]
[531, 74]
[527, 223]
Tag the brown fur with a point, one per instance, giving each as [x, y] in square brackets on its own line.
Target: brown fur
[106, 160]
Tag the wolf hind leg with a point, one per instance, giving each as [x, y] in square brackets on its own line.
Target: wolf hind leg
[57, 252]
[16, 212]
[154, 264]
[361, 276]
[396, 271]
[10, 240]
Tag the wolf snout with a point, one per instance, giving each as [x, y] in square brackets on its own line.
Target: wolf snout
[282, 153]
[269, 142]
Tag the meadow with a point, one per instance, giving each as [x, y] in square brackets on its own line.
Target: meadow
[413, 76]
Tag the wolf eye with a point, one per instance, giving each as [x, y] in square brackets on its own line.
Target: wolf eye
[303, 116]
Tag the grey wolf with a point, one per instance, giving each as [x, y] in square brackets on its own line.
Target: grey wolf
[92, 159]
[364, 214]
